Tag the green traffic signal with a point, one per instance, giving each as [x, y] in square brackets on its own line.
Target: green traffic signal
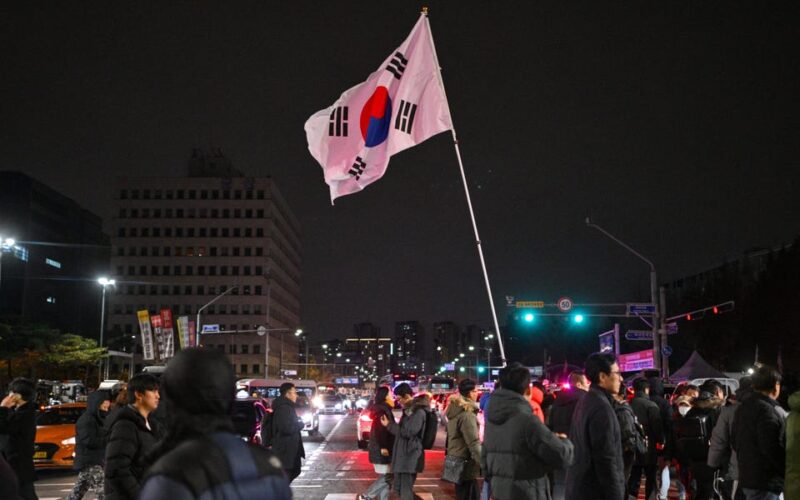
[528, 317]
[578, 318]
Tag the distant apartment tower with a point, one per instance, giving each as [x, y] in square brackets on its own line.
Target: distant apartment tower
[408, 338]
[49, 275]
[180, 242]
[374, 350]
[446, 341]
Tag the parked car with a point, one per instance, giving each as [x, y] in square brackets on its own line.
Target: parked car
[55, 435]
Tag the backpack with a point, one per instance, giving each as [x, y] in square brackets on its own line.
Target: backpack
[692, 437]
[634, 439]
[267, 433]
[428, 435]
[246, 481]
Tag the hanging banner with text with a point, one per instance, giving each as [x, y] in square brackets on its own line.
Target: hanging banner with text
[159, 335]
[147, 334]
[169, 336]
[192, 334]
[183, 331]
[635, 361]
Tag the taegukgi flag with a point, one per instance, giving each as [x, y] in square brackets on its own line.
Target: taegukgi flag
[399, 106]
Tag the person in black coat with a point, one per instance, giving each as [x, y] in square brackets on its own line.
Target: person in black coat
[90, 445]
[131, 436]
[287, 443]
[18, 423]
[597, 472]
[759, 438]
[649, 416]
[559, 418]
[381, 442]
[194, 460]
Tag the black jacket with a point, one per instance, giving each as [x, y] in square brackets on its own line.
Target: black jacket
[560, 416]
[129, 442]
[665, 411]
[20, 426]
[287, 443]
[90, 435]
[598, 469]
[760, 442]
[380, 437]
[518, 450]
[709, 405]
[649, 415]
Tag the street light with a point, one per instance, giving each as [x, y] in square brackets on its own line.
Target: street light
[105, 283]
[5, 243]
[660, 363]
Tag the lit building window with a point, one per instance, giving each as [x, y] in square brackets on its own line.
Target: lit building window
[51, 300]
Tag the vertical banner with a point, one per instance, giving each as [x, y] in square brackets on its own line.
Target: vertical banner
[147, 334]
[159, 334]
[192, 334]
[169, 337]
[183, 332]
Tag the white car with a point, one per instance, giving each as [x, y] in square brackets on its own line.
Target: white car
[363, 428]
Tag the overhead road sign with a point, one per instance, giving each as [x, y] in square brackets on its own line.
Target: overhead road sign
[565, 304]
[639, 309]
[639, 335]
[210, 328]
[672, 328]
[635, 361]
[535, 304]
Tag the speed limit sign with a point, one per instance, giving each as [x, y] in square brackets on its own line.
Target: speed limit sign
[564, 304]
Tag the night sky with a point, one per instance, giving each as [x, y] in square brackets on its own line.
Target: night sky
[673, 124]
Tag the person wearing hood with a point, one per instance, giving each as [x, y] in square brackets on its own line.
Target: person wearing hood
[408, 456]
[648, 415]
[536, 400]
[202, 456]
[131, 436]
[518, 449]
[287, 441]
[759, 438]
[18, 424]
[381, 443]
[90, 446]
[598, 469]
[703, 415]
[792, 482]
[721, 455]
[463, 438]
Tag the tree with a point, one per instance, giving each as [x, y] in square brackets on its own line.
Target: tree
[73, 352]
[19, 344]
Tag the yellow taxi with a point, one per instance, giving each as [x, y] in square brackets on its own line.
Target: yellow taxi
[55, 435]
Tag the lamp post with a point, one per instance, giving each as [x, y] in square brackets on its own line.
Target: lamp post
[105, 283]
[298, 333]
[226, 292]
[659, 332]
[4, 243]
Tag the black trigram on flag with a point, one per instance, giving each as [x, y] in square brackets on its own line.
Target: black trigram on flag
[358, 168]
[405, 116]
[337, 127]
[397, 65]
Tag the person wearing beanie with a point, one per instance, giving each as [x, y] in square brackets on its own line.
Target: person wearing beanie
[201, 455]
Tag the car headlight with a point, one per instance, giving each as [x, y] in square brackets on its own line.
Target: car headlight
[338, 406]
[361, 403]
[70, 441]
[318, 402]
[307, 418]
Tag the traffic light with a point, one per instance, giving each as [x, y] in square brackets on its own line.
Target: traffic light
[577, 318]
[461, 369]
[481, 369]
[528, 317]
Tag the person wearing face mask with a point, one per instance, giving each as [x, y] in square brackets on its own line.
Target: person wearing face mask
[90, 446]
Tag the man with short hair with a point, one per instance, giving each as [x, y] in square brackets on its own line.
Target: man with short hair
[759, 438]
[518, 449]
[18, 423]
[649, 416]
[287, 441]
[559, 419]
[598, 469]
[131, 436]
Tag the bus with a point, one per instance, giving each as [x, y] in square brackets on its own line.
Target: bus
[437, 385]
[394, 379]
[270, 388]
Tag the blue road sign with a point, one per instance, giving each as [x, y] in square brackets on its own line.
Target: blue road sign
[639, 335]
[666, 351]
[637, 308]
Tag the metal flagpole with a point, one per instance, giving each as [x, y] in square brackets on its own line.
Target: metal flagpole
[466, 192]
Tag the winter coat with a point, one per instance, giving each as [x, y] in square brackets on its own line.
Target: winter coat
[627, 432]
[560, 416]
[665, 411]
[198, 466]
[380, 437]
[720, 453]
[463, 438]
[408, 456]
[649, 415]
[598, 469]
[8, 480]
[792, 491]
[537, 396]
[709, 405]
[287, 443]
[90, 434]
[19, 424]
[129, 442]
[759, 441]
[518, 450]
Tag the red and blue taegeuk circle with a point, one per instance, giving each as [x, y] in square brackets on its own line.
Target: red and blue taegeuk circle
[376, 115]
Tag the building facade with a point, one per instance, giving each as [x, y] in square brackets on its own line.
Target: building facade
[49, 275]
[408, 347]
[183, 242]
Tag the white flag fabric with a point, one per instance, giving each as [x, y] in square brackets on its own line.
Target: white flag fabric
[399, 106]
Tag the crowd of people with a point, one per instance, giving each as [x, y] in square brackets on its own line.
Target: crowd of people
[173, 438]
